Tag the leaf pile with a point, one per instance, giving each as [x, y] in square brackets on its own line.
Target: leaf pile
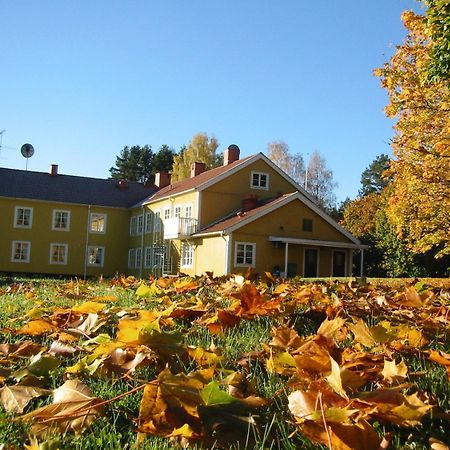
[342, 360]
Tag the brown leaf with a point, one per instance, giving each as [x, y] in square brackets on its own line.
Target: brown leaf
[73, 409]
[15, 398]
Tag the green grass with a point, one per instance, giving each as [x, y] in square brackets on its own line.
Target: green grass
[239, 347]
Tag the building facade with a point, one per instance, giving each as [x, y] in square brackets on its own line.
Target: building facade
[246, 214]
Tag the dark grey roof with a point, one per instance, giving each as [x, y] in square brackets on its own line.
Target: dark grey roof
[71, 189]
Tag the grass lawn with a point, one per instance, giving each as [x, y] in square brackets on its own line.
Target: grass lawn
[224, 363]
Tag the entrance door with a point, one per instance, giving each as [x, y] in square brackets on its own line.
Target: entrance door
[311, 259]
[338, 264]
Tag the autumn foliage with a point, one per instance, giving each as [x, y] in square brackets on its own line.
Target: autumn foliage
[349, 383]
[420, 202]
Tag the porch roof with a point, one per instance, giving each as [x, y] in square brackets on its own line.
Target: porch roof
[318, 243]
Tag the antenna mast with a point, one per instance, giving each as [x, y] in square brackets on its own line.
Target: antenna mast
[1, 140]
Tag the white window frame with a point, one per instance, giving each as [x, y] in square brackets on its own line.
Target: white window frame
[102, 262]
[188, 211]
[66, 249]
[62, 211]
[99, 215]
[138, 258]
[187, 255]
[245, 263]
[177, 211]
[16, 217]
[157, 221]
[167, 213]
[257, 184]
[140, 224]
[133, 225]
[27, 253]
[148, 257]
[131, 258]
[148, 222]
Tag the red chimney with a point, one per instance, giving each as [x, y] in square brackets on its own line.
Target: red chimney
[231, 154]
[54, 170]
[249, 202]
[162, 179]
[197, 168]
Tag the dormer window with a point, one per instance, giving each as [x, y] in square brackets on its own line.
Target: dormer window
[259, 180]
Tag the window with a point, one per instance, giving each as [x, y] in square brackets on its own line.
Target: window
[21, 251]
[96, 256]
[133, 225]
[307, 225]
[177, 212]
[148, 222]
[98, 223]
[138, 261]
[157, 221]
[23, 217]
[245, 254]
[188, 211]
[166, 213]
[131, 258]
[259, 180]
[61, 220]
[187, 254]
[140, 224]
[152, 258]
[58, 253]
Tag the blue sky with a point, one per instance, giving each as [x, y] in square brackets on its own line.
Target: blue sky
[80, 80]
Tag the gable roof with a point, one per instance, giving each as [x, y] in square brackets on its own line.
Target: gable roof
[205, 178]
[70, 189]
[237, 220]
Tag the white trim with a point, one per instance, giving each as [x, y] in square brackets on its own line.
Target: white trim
[317, 243]
[102, 262]
[317, 263]
[13, 252]
[66, 252]
[190, 255]
[16, 225]
[157, 221]
[167, 208]
[278, 204]
[148, 224]
[133, 225]
[187, 205]
[253, 186]
[105, 216]
[131, 258]
[199, 207]
[238, 165]
[177, 210]
[253, 245]
[64, 211]
[138, 258]
[139, 227]
[228, 247]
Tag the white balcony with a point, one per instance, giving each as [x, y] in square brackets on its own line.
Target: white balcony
[179, 227]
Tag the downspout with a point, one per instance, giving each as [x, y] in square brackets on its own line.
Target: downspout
[86, 243]
[227, 252]
[142, 242]
[286, 258]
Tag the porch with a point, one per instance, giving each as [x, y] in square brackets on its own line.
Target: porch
[311, 258]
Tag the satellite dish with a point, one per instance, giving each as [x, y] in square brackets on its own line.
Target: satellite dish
[27, 150]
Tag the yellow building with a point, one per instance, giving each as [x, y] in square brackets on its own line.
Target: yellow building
[245, 214]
